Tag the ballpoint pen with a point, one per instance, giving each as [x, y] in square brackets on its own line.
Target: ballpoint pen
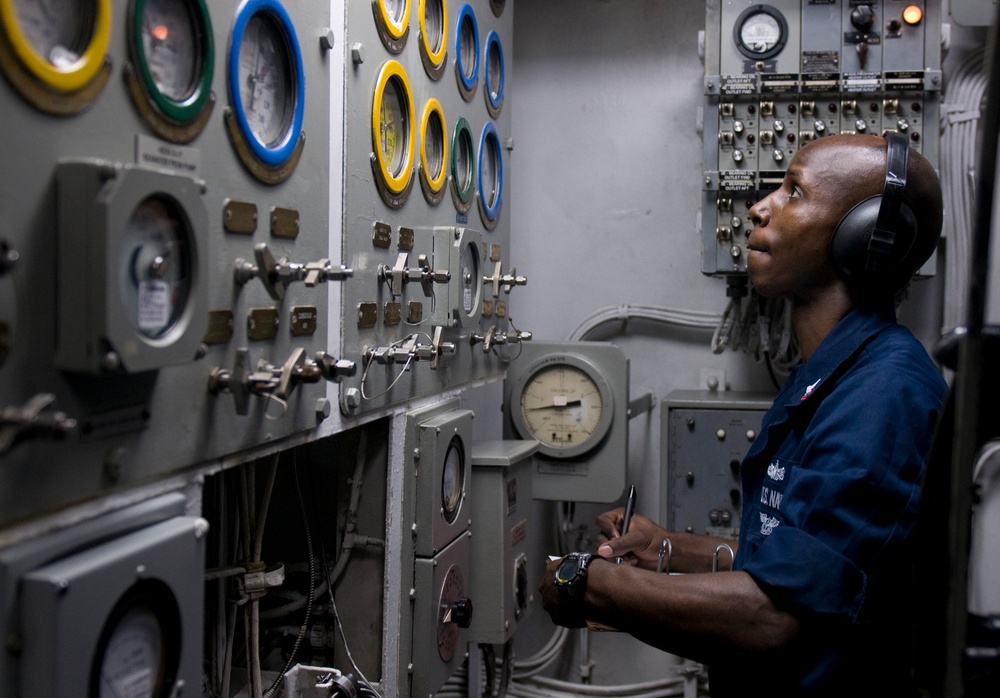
[629, 508]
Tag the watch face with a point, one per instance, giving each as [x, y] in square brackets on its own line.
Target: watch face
[568, 569]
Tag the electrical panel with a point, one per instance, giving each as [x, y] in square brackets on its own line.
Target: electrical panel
[782, 74]
[704, 436]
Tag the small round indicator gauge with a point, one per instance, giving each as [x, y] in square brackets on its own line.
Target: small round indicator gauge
[172, 47]
[139, 650]
[467, 52]
[470, 279]
[393, 133]
[433, 151]
[266, 83]
[433, 17]
[392, 19]
[156, 267]
[462, 164]
[760, 32]
[494, 74]
[452, 479]
[56, 47]
[490, 176]
[497, 6]
[565, 404]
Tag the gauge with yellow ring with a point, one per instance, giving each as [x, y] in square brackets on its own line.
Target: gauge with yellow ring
[393, 134]
[463, 166]
[392, 20]
[55, 53]
[433, 18]
[172, 64]
[433, 152]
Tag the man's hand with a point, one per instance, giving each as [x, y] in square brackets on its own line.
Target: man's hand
[640, 546]
[562, 609]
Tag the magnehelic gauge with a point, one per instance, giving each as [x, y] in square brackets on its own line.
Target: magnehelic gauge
[137, 302]
[467, 53]
[573, 399]
[393, 134]
[433, 16]
[760, 32]
[490, 176]
[54, 53]
[441, 480]
[433, 152]
[172, 63]
[392, 19]
[462, 166]
[494, 75]
[266, 90]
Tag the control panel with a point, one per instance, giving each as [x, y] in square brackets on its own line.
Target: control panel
[782, 74]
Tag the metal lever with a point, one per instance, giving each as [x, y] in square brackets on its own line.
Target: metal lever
[400, 274]
[411, 350]
[277, 275]
[33, 420]
[493, 338]
[507, 281]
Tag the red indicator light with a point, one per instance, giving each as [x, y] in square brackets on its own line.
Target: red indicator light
[913, 14]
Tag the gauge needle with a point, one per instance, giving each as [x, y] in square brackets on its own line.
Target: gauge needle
[569, 403]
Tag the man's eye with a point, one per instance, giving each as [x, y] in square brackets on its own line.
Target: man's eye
[795, 193]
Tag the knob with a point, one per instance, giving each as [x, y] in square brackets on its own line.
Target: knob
[738, 127]
[860, 125]
[903, 125]
[737, 155]
[820, 127]
[779, 126]
[461, 612]
[862, 17]
[779, 155]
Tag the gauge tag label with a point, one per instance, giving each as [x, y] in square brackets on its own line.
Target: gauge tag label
[738, 84]
[562, 468]
[150, 151]
[779, 83]
[220, 327]
[862, 82]
[154, 305]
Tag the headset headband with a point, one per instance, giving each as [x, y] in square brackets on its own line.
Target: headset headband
[884, 234]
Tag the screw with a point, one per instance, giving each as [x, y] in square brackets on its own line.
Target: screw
[352, 398]
[326, 40]
[358, 53]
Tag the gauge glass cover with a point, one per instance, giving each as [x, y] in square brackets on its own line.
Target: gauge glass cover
[760, 32]
[266, 80]
[471, 284]
[170, 46]
[134, 660]
[433, 25]
[155, 278]
[393, 127]
[452, 479]
[561, 406]
[462, 166]
[58, 31]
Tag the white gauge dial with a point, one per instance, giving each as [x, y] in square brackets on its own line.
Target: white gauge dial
[395, 10]
[452, 479]
[57, 31]
[561, 406]
[393, 127]
[170, 46]
[134, 659]
[265, 80]
[760, 32]
[155, 278]
[471, 282]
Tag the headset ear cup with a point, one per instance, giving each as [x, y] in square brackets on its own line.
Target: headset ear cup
[849, 244]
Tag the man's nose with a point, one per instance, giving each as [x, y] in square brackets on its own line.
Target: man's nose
[758, 213]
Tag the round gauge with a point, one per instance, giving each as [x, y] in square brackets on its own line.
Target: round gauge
[433, 151]
[462, 164]
[452, 479]
[760, 32]
[62, 44]
[139, 649]
[565, 404]
[156, 276]
[490, 175]
[467, 52]
[494, 74]
[392, 18]
[497, 6]
[452, 592]
[393, 130]
[470, 278]
[174, 55]
[266, 82]
[433, 17]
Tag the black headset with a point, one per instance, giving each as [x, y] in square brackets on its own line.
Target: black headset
[871, 245]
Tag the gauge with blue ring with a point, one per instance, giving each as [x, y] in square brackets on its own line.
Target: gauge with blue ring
[467, 48]
[279, 150]
[494, 73]
[180, 84]
[490, 185]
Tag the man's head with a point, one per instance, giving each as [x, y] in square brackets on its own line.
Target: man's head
[790, 245]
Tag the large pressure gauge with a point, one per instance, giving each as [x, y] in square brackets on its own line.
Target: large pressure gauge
[266, 90]
[467, 53]
[54, 53]
[173, 58]
[393, 134]
[392, 19]
[573, 399]
[433, 16]
[462, 166]
[490, 176]
[433, 152]
[494, 75]
[760, 32]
